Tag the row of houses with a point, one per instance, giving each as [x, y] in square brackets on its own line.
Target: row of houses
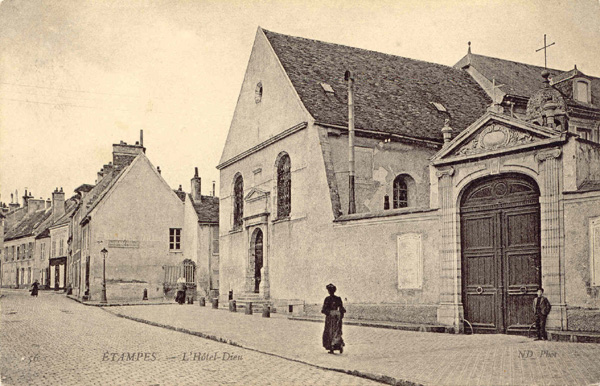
[129, 226]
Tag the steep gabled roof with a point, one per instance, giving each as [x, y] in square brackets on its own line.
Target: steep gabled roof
[99, 191]
[207, 209]
[522, 79]
[392, 94]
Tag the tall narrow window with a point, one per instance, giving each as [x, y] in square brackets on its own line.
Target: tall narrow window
[400, 193]
[215, 240]
[61, 247]
[175, 239]
[284, 187]
[582, 91]
[238, 202]
[43, 251]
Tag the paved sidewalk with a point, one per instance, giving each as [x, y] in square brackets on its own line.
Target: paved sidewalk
[391, 356]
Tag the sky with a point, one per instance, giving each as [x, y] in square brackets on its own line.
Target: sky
[78, 76]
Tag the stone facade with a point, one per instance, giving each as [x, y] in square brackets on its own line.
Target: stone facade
[409, 258]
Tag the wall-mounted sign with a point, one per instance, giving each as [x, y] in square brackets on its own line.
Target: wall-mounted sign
[123, 244]
[410, 261]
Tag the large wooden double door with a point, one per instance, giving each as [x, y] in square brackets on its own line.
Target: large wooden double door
[500, 240]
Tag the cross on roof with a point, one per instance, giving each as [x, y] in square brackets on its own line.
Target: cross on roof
[493, 89]
[544, 48]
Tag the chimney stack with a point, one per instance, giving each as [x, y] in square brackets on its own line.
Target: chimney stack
[196, 187]
[25, 199]
[58, 204]
[213, 193]
[142, 138]
[124, 154]
[48, 204]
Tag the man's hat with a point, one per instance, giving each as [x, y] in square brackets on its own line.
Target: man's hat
[331, 286]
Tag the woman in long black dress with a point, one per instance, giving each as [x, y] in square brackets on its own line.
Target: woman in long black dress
[34, 288]
[334, 311]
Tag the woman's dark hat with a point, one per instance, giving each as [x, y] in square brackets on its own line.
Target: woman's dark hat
[330, 287]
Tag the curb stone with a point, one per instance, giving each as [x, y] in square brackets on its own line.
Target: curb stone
[373, 377]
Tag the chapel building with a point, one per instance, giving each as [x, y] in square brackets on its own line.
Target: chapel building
[475, 185]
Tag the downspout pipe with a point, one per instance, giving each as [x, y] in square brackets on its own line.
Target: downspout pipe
[349, 78]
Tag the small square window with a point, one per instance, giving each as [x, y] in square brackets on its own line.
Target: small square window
[327, 87]
[440, 107]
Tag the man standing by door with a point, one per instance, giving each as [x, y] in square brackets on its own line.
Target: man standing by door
[541, 307]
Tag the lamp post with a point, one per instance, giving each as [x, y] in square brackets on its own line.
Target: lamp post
[104, 251]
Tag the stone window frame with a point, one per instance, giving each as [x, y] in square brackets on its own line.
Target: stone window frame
[588, 84]
[399, 186]
[283, 178]
[237, 202]
[594, 226]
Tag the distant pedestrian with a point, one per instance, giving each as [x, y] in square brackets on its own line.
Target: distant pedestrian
[541, 307]
[334, 311]
[180, 296]
[34, 288]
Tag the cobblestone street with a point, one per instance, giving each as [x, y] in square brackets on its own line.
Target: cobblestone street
[394, 355]
[52, 340]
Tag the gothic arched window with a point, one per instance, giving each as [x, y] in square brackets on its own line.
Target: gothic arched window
[400, 192]
[284, 186]
[238, 202]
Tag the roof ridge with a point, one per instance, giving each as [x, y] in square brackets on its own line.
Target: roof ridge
[361, 49]
[535, 65]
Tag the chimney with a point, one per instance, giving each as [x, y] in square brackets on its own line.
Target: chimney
[58, 204]
[13, 204]
[124, 154]
[33, 204]
[25, 199]
[48, 204]
[213, 193]
[142, 138]
[196, 187]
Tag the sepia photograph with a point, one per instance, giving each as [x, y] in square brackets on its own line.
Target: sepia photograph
[299, 192]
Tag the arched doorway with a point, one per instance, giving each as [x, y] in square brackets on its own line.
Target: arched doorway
[257, 243]
[500, 244]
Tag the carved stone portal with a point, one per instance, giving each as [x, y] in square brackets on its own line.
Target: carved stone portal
[494, 137]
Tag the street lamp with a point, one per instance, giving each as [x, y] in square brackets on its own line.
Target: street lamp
[104, 251]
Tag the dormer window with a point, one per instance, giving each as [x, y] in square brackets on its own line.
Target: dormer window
[582, 91]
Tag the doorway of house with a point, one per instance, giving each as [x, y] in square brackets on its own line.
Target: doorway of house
[500, 241]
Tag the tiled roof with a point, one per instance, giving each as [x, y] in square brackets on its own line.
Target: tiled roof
[28, 225]
[392, 94]
[180, 193]
[519, 78]
[102, 187]
[207, 209]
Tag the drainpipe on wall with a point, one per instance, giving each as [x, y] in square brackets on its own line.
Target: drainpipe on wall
[351, 199]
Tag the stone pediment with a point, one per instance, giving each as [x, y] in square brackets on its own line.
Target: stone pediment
[256, 194]
[256, 204]
[493, 134]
